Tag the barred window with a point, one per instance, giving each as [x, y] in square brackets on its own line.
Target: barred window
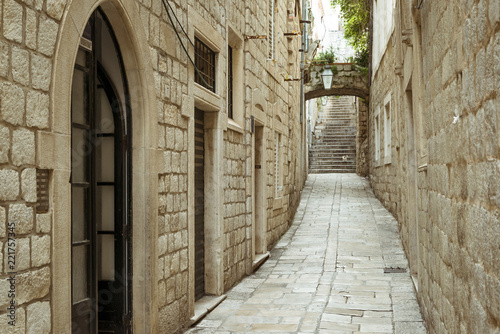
[204, 60]
[270, 38]
[278, 178]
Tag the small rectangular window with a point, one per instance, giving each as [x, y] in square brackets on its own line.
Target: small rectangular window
[377, 138]
[387, 133]
[230, 83]
[277, 166]
[42, 190]
[204, 60]
[270, 37]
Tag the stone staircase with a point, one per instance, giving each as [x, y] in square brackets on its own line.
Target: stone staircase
[333, 148]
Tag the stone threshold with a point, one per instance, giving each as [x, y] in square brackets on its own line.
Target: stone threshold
[414, 279]
[259, 260]
[204, 306]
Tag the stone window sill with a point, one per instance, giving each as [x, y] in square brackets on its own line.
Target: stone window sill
[232, 125]
[278, 203]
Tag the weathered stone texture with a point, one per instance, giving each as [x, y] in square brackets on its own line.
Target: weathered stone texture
[3, 223]
[30, 33]
[47, 32]
[4, 144]
[9, 184]
[235, 209]
[4, 59]
[22, 216]
[32, 285]
[28, 185]
[37, 110]
[41, 69]
[39, 316]
[23, 147]
[13, 21]
[31, 29]
[455, 208]
[55, 8]
[20, 62]
[20, 327]
[40, 250]
[12, 103]
[43, 223]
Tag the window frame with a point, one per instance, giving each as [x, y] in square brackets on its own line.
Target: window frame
[271, 30]
[203, 98]
[206, 65]
[235, 42]
[230, 82]
[278, 164]
[377, 135]
[387, 129]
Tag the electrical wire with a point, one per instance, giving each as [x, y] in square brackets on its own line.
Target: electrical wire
[180, 25]
[200, 75]
[419, 6]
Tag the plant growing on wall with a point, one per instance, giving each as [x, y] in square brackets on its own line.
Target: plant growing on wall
[356, 20]
[326, 57]
[361, 58]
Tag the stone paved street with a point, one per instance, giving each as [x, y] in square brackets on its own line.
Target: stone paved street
[326, 275]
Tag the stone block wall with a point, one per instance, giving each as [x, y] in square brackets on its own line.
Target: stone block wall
[236, 210]
[382, 172]
[362, 158]
[34, 134]
[450, 225]
[27, 43]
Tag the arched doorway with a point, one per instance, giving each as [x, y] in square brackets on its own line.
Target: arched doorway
[100, 179]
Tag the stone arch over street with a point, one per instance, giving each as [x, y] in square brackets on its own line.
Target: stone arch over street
[348, 80]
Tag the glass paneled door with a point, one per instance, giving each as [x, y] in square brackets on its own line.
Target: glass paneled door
[100, 194]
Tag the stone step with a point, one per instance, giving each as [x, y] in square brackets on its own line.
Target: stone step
[319, 155]
[334, 143]
[334, 138]
[331, 170]
[333, 165]
[345, 164]
[339, 136]
[339, 150]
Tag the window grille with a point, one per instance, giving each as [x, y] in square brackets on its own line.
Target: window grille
[42, 190]
[277, 168]
[377, 136]
[270, 38]
[387, 131]
[230, 83]
[204, 60]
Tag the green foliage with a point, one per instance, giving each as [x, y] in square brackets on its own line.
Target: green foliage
[361, 58]
[334, 69]
[327, 56]
[356, 19]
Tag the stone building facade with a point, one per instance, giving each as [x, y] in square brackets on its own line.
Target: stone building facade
[129, 178]
[434, 151]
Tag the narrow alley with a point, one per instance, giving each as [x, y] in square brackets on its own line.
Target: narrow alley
[334, 271]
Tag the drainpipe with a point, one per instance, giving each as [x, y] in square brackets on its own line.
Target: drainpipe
[305, 47]
[302, 59]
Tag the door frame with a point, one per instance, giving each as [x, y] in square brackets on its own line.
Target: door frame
[127, 25]
[259, 251]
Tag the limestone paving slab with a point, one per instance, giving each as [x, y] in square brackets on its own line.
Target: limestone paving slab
[326, 274]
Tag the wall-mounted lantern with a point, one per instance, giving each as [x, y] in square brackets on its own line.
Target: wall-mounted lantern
[327, 77]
